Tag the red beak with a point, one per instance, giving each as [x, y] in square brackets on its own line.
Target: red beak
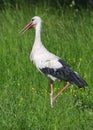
[27, 27]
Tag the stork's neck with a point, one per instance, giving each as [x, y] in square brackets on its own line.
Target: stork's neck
[38, 43]
[38, 33]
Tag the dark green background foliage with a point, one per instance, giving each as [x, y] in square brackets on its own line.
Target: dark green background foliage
[52, 3]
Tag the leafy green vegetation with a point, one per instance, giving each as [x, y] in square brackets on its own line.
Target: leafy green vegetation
[24, 92]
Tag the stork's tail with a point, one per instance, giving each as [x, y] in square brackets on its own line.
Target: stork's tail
[75, 78]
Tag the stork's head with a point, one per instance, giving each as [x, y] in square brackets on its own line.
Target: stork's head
[32, 24]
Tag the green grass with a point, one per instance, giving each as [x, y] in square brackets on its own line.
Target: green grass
[24, 92]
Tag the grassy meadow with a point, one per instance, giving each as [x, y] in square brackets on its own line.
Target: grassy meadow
[24, 92]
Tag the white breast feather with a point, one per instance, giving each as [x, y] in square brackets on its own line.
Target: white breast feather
[43, 58]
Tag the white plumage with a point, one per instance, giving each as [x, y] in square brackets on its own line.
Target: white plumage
[40, 55]
[50, 64]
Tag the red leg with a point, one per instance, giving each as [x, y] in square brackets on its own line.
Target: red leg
[65, 87]
[51, 93]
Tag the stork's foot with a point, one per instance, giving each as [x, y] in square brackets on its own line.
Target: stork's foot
[52, 100]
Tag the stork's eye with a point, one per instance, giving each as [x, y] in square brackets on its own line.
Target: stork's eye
[32, 19]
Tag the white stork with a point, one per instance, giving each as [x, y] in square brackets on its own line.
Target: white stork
[49, 64]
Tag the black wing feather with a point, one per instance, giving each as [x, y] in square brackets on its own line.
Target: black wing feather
[64, 73]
